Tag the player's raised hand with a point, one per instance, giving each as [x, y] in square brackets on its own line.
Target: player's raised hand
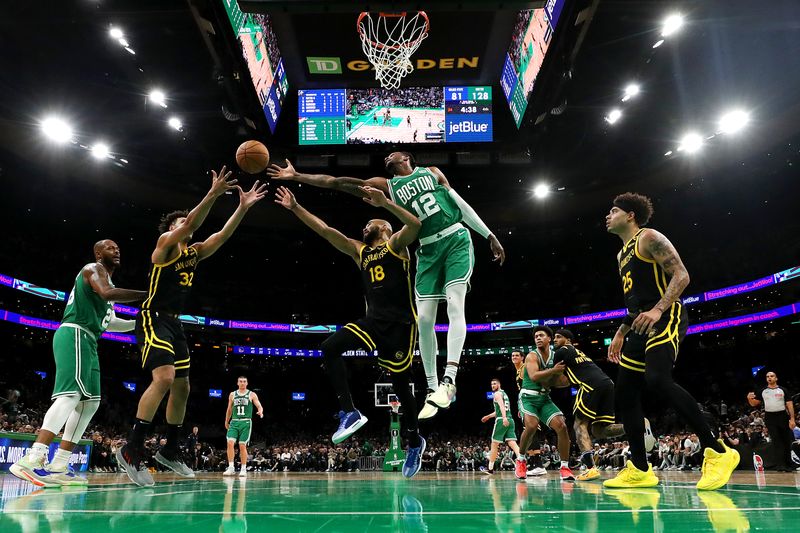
[374, 197]
[220, 184]
[285, 198]
[256, 193]
[282, 173]
[497, 250]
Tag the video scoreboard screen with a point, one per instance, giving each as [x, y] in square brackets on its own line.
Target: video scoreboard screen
[263, 57]
[533, 32]
[404, 115]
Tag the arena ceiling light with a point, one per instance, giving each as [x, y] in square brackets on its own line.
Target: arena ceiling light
[157, 96]
[691, 143]
[115, 33]
[175, 123]
[672, 24]
[541, 191]
[631, 90]
[100, 150]
[56, 130]
[733, 121]
[613, 116]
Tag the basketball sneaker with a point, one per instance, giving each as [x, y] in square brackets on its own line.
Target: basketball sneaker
[173, 461]
[589, 475]
[413, 460]
[630, 477]
[537, 471]
[521, 468]
[130, 460]
[349, 423]
[230, 471]
[717, 467]
[566, 474]
[487, 471]
[68, 477]
[429, 410]
[443, 396]
[243, 472]
[33, 470]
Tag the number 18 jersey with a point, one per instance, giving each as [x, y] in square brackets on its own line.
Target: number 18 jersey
[420, 193]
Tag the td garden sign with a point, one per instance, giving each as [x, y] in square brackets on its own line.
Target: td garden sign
[335, 65]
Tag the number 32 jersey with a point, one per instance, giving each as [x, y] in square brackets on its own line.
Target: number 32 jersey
[170, 283]
[420, 193]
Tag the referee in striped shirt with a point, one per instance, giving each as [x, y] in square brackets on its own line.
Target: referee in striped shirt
[778, 417]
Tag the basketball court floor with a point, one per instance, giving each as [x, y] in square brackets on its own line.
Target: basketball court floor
[371, 501]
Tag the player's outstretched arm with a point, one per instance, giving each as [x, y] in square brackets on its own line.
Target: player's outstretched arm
[97, 277]
[247, 200]
[351, 247]
[411, 224]
[657, 246]
[344, 184]
[120, 325]
[257, 403]
[471, 217]
[219, 185]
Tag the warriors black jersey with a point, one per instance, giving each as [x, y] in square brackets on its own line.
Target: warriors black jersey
[387, 284]
[581, 371]
[170, 283]
[643, 280]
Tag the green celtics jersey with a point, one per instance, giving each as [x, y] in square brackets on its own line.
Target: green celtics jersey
[420, 193]
[527, 381]
[498, 413]
[86, 309]
[242, 406]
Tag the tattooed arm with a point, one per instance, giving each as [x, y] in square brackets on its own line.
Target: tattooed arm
[654, 245]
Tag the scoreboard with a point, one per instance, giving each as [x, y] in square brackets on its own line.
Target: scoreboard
[330, 116]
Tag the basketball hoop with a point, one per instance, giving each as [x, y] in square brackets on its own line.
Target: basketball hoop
[395, 405]
[389, 40]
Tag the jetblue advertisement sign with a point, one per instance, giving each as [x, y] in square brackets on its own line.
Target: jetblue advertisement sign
[14, 446]
[468, 128]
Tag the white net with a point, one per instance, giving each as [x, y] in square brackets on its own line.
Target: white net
[389, 40]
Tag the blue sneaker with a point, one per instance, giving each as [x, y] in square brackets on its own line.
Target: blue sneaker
[414, 459]
[349, 423]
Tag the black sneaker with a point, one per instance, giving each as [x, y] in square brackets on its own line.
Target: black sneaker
[130, 460]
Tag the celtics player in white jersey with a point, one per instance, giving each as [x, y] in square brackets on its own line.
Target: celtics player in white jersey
[445, 256]
[239, 423]
[76, 395]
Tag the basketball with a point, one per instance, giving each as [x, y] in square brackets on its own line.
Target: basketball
[252, 157]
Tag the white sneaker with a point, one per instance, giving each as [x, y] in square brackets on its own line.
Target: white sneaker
[443, 395]
[230, 471]
[242, 473]
[538, 471]
[428, 409]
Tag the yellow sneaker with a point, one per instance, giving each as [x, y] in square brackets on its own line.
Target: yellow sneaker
[723, 513]
[717, 467]
[631, 477]
[589, 475]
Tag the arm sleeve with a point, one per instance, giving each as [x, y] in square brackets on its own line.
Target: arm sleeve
[120, 325]
[470, 216]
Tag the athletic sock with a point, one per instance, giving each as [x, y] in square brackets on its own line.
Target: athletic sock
[39, 451]
[587, 458]
[60, 460]
[230, 464]
[450, 372]
[138, 434]
[172, 438]
[564, 464]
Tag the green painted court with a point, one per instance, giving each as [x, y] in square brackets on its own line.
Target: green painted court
[388, 502]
